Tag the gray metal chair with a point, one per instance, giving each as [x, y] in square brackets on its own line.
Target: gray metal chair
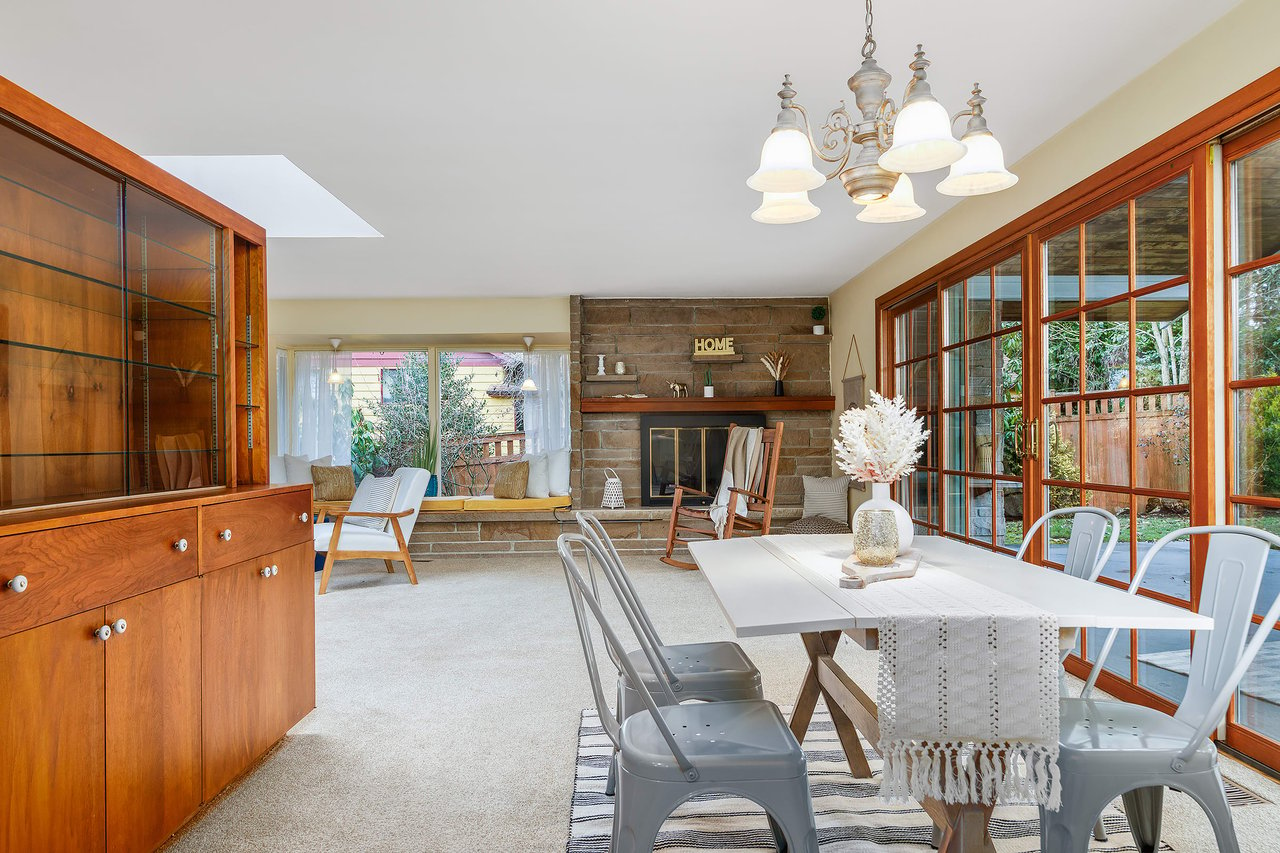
[668, 753]
[704, 672]
[1109, 749]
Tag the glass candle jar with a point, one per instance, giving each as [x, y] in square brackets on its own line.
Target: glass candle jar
[875, 537]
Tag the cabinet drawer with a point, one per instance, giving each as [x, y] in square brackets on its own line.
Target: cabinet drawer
[257, 526]
[89, 565]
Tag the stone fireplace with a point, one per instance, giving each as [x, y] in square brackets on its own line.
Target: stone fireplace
[685, 450]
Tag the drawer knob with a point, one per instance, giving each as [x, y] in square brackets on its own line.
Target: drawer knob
[266, 571]
[225, 535]
[18, 584]
[275, 570]
[119, 626]
[103, 633]
[305, 517]
[180, 546]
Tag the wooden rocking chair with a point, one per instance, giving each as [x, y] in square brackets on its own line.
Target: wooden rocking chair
[761, 502]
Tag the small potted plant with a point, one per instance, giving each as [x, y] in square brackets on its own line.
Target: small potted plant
[819, 313]
[708, 390]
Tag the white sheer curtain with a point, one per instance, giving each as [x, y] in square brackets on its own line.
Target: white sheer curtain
[546, 411]
[321, 415]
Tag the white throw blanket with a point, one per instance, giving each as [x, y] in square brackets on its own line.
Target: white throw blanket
[742, 458]
[966, 673]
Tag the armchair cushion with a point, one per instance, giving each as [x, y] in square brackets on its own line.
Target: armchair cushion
[375, 494]
[355, 538]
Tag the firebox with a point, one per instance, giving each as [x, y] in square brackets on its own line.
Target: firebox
[685, 450]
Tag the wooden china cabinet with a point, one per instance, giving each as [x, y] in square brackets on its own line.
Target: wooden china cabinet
[157, 625]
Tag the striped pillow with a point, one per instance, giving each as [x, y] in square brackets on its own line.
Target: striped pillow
[828, 497]
[375, 494]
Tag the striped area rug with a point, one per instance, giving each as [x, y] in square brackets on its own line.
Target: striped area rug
[851, 817]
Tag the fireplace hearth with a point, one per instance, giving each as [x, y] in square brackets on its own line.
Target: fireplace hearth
[685, 450]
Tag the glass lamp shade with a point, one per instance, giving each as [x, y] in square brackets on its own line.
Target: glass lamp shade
[922, 139]
[786, 164]
[981, 170]
[785, 208]
[335, 377]
[528, 385]
[898, 207]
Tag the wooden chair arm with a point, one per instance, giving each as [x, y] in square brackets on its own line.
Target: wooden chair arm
[749, 494]
[344, 513]
[682, 489]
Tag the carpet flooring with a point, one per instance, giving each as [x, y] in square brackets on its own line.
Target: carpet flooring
[448, 714]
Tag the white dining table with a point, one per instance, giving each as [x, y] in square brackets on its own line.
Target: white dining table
[790, 584]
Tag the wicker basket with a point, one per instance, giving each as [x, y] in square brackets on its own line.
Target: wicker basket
[612, 491]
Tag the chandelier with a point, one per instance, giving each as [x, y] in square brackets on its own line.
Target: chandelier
[874, 155]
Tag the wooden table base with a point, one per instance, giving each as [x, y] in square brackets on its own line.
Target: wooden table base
[958, 828]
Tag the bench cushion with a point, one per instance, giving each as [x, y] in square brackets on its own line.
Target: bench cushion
[489, 502]
[443, 503]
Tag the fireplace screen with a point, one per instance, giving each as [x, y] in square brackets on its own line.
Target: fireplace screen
[684, 450]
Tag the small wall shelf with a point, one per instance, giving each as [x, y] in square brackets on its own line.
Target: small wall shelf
[611, 377]
[707, 404]
[717, 358]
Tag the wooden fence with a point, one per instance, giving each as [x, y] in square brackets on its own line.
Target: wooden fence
[472, 473]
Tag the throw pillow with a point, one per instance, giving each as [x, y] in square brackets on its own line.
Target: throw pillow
[335, 483]
[558, 471]
[511, 480]
[539, 478]
[375, 494]
[297, 469]
[828, 497]
[275, 470]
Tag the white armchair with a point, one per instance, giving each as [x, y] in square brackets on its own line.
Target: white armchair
[388, 542]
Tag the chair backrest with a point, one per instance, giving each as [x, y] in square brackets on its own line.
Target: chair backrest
[770, 448]
[594, 531]
[1089, 547]
[1234, 565]
[413, 488]
[586, 610]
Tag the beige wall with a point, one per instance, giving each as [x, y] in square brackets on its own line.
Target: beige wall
[396, 323]
[1231, 53]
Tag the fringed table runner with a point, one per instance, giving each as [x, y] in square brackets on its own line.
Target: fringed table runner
[967, 692]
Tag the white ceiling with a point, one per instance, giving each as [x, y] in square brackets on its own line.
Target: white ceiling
[597, 147]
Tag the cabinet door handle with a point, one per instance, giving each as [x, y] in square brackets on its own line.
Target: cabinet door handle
[18, 583]
[180, 546]
[119, 626]
[103, 633]
[275, 570]
[266, 571]
[304, 518]
[225, 535]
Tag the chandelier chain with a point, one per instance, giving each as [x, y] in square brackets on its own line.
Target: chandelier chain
[869, 43]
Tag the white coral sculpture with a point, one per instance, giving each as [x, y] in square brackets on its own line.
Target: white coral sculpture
[880, 443]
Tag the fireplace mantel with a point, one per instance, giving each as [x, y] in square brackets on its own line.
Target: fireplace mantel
[707, 404]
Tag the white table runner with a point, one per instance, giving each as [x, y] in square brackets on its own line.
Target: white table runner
[965, 671]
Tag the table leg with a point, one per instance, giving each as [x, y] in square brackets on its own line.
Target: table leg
[961, 828]
[817, 646]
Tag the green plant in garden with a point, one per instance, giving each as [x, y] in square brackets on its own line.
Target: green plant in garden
[1062, 466]
[1263, 448]
[819, 313]
[366, 446]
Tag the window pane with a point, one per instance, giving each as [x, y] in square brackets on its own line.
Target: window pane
[1257, 441]
[1063, 361]
[1256, 192]
[1257, 323]
[1118, 659]
[1009, 515]
[930, 458]
[1062, 271]
[901, 337]
[1164, 441]
[1106, 346]
[955, 377]
[1008, 451]
[953, 296]
[980, 373]
[980, 443]
[921, 330]
[955, 440]
[1170, 572]
[978, 295]
[1266, 518]
[980, 509]
[1008, 295]
[1058, 530]
[955, 504]
[1106, 254]
[1163, 338]
[1106, 429]
[1256, 702]
[1062, 442]
[1116, 503]
[1162, 242]
[1009, 366]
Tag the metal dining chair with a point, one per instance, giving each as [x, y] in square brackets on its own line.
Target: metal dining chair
[1109, 749]
[668, 752]
[705, 672]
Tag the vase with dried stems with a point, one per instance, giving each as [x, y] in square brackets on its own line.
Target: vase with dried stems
[777, 362]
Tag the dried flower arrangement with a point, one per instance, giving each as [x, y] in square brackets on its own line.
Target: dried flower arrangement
[880, 443]
[777, 362]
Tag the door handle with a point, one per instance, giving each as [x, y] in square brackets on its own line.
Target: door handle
[225, 535]
[103, 633]
[18, 583]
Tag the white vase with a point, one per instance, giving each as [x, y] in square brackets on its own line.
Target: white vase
[708, 390]
[880, 500]
[819, 330]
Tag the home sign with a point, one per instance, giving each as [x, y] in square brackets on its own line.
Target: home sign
[713, 346]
